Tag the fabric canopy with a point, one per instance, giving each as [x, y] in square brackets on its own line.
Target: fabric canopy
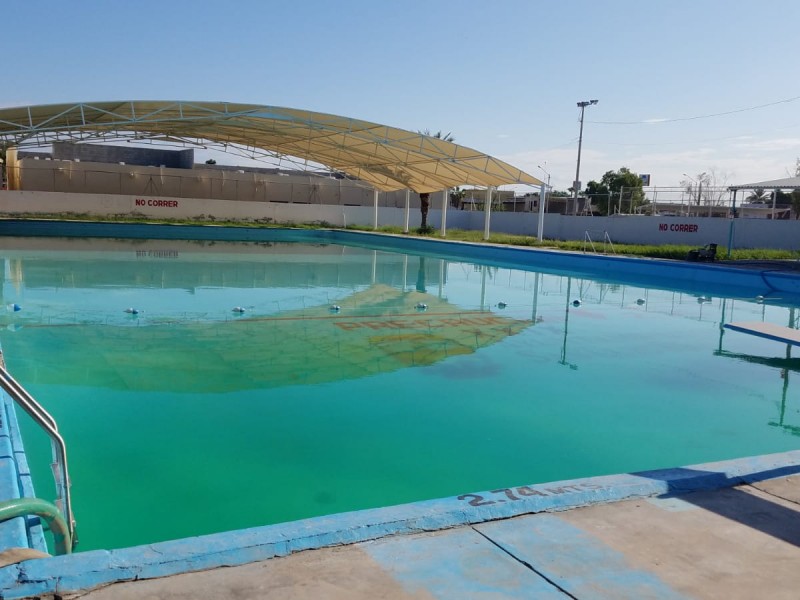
[789, 183]
[386, 157]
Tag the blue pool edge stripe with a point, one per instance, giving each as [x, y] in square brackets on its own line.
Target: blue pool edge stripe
[84, 571]
[734, 280]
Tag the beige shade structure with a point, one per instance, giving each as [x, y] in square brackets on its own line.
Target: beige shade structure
[386, 157]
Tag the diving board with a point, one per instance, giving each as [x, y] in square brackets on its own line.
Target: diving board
[778, 333]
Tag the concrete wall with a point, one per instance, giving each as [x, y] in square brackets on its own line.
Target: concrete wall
[695, 231]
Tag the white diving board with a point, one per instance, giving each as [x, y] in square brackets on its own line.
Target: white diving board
[778, 333]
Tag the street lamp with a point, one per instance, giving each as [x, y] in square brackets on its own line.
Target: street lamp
[542, 204]
[699, 183]
[548, 184]
[576, 185]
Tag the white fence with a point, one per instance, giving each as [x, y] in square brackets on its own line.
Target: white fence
[696, 231]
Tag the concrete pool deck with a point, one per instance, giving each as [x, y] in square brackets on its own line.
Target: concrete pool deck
[718, 530]
[739, 542]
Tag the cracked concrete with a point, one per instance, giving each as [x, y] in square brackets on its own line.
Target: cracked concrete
[738, 542]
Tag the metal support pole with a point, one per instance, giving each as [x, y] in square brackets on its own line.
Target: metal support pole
[774, 198]
[445, 194]
[540, 224]
[487, 212]
[375, 213]
[731, 225]
[408, 210]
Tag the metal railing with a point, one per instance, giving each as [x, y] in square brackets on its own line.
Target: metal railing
[48, 424]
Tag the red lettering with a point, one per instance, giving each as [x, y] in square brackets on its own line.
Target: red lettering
[662, 227]
[681, 227]
[162, 203]
[347, 325]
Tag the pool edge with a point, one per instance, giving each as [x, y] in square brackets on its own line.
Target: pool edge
[85, 571]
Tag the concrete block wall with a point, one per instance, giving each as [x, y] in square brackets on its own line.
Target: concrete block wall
[694, 231]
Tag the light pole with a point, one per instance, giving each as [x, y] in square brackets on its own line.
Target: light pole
[548, 184]
[576, 185]
[542, 202]
[699, 183]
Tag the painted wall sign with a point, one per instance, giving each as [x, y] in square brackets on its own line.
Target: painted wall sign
[679, 227]
[156, 203]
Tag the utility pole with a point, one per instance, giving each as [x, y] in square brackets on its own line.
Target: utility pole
[576, 185]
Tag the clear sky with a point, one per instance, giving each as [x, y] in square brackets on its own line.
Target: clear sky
[503, 76]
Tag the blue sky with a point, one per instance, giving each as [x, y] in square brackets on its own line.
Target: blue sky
[504, 77]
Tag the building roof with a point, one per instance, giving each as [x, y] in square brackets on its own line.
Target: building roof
[388, 158]
[788, 183]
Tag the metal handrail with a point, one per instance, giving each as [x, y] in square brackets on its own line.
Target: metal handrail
[22, 507]
[48, 424]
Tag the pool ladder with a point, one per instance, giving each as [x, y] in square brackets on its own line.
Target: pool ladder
[587, 238]
[62, 527]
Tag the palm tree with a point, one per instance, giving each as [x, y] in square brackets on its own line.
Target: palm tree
[758, 196]
[447, 137]
[424, 197]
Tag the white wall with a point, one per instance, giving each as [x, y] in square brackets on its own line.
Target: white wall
[695, 231]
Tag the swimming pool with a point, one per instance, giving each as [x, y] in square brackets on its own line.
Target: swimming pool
[434, 377]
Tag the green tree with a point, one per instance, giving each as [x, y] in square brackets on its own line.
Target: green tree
[598, 195]
[447, 137]
[623, 186]
[758, 196]
[456, 196]
[615, 188]
[424, 205]
[796, 203]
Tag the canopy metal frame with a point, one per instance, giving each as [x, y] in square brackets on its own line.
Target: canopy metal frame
[388, 158]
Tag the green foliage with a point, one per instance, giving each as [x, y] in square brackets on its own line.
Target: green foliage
[796, 203]
[447, 137]
[456, 196]
[758, 196]
[599, 195]
[615, 187]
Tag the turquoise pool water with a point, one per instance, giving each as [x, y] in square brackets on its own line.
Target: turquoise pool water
[189, 418]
